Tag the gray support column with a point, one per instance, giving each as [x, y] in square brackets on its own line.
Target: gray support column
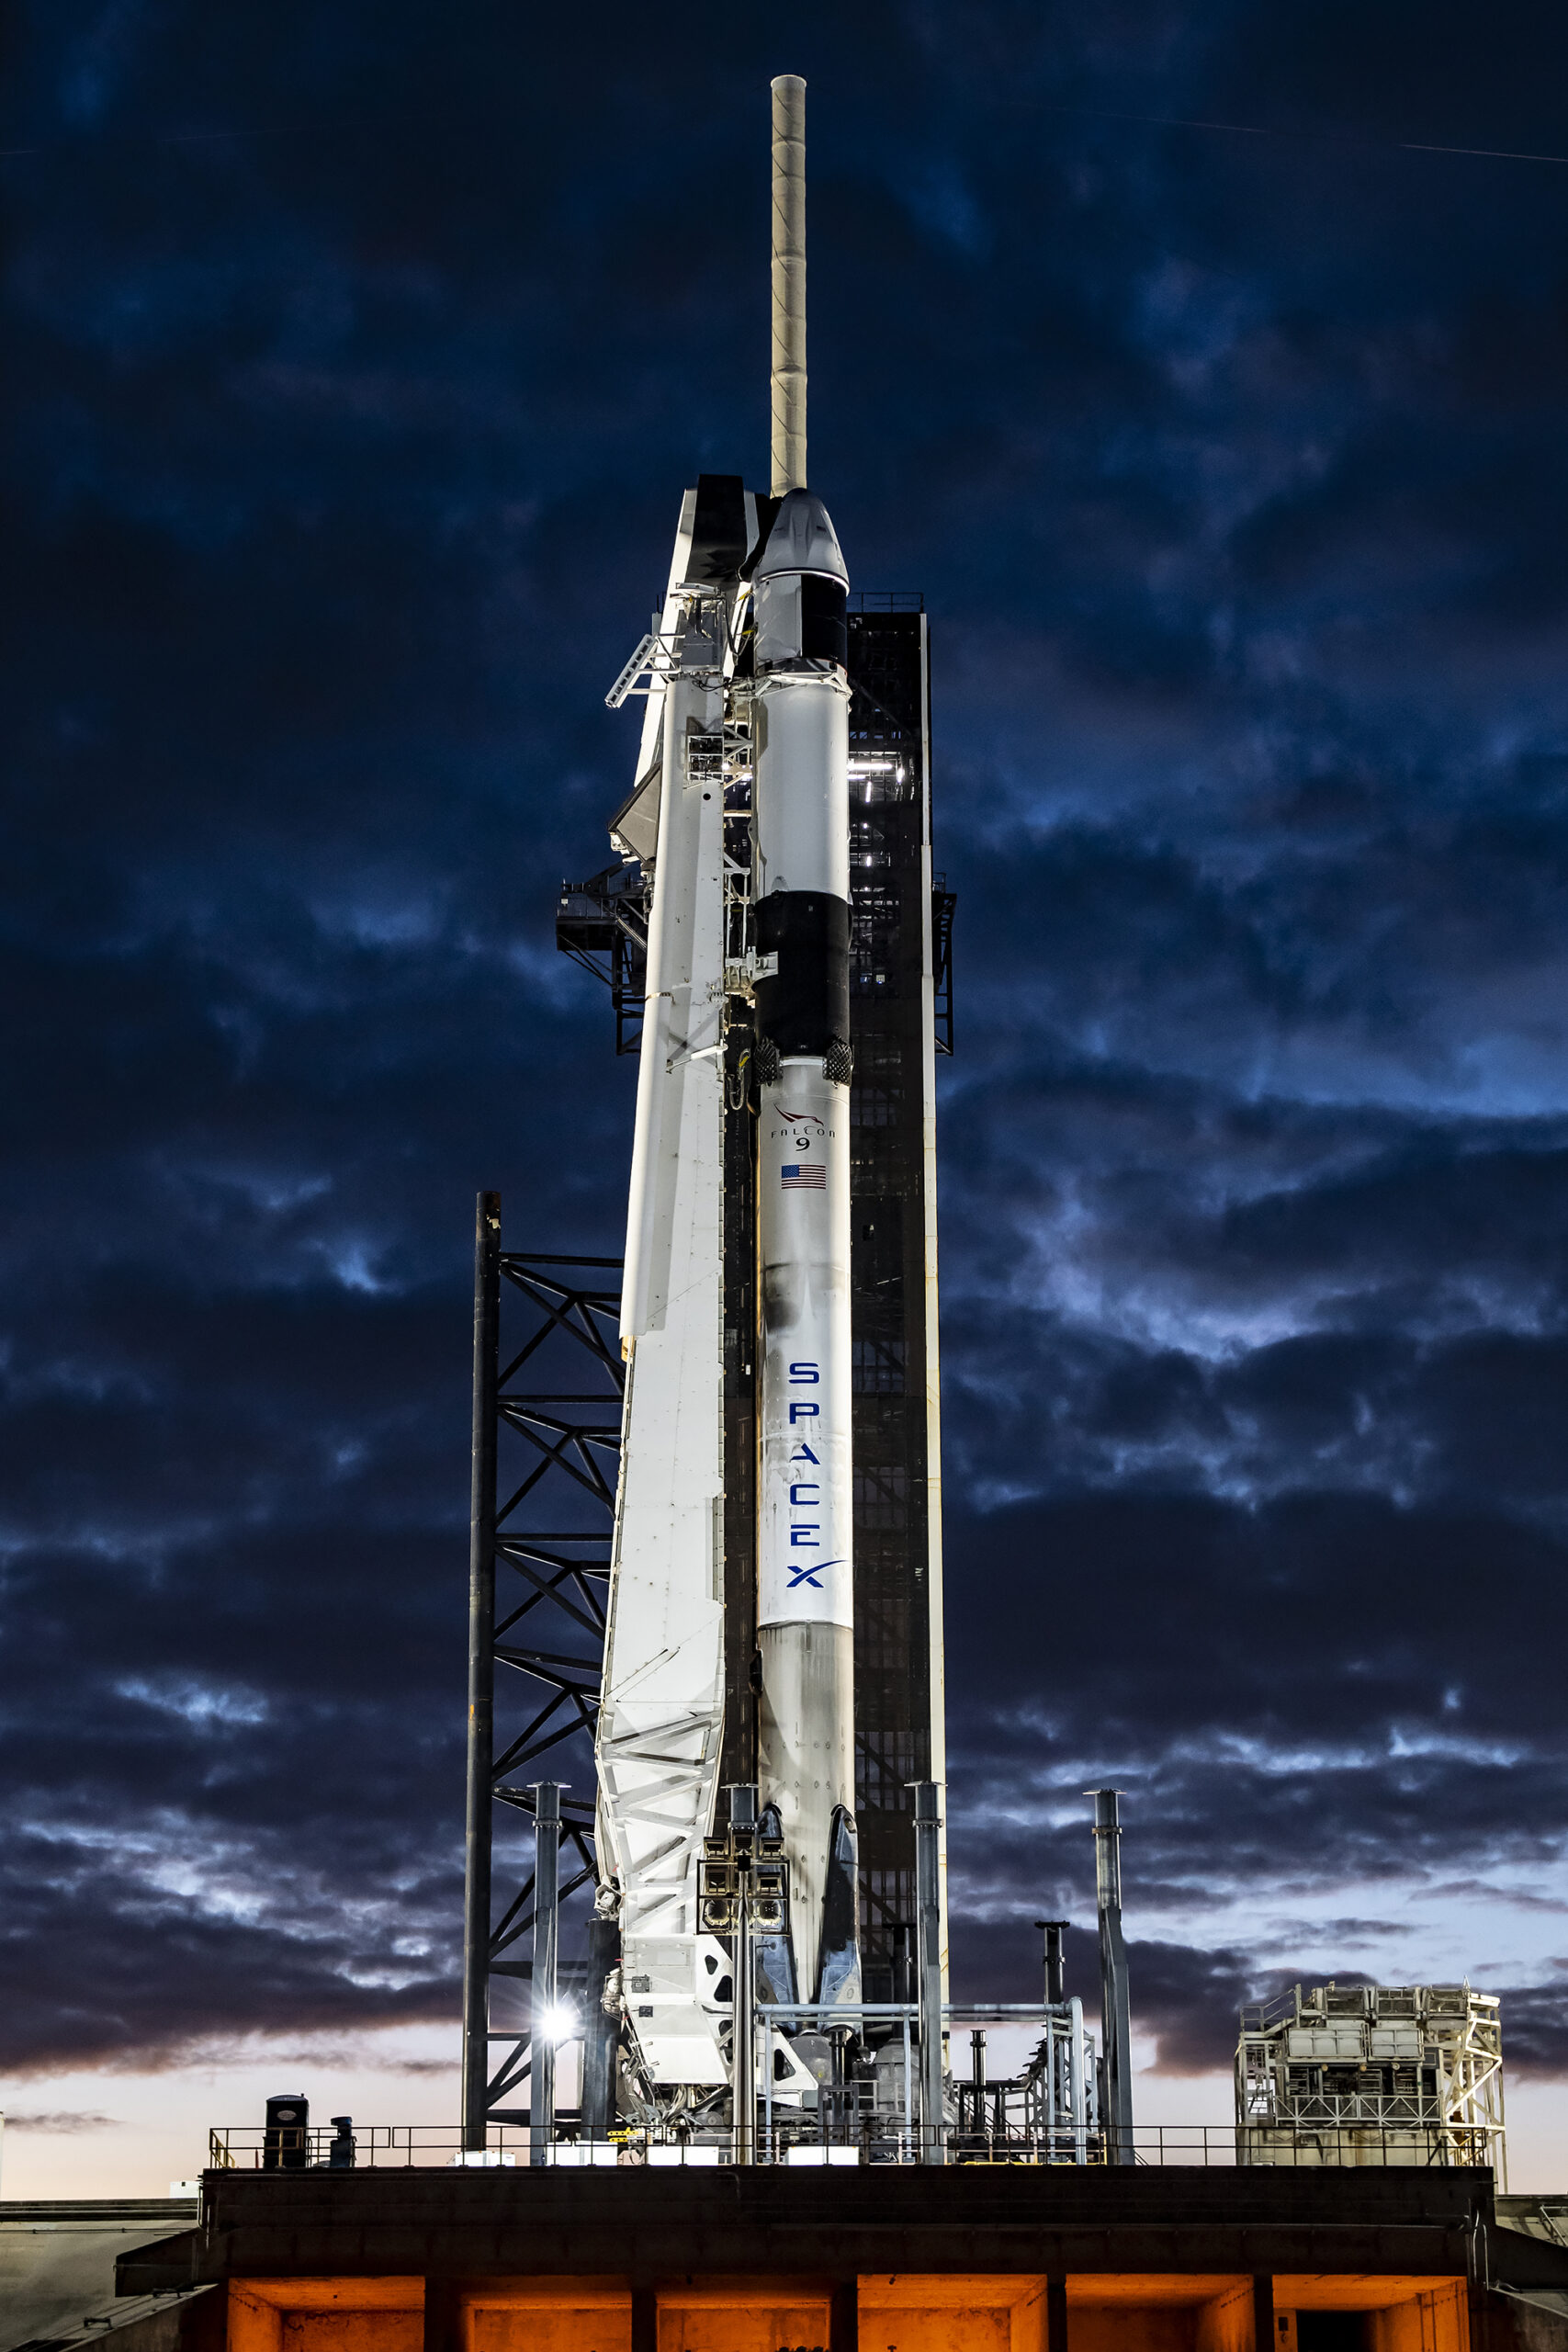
[444, 2329]
[1115, 2015]
[601, 2033]
[546, 1935]
[927, 1927]
[843, 2316]
[481, 1670]
[645, 2319]
[743, 2084]
[1263, 2314]
[1054, 1932]
[1055, 2314]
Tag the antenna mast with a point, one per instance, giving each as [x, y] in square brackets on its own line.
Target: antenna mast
[789, 285]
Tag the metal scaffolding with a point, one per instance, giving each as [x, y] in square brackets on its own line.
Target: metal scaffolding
[900, 999]
[1372, 2074]
[900, 1006]
[548, 1521]
[541, 1517]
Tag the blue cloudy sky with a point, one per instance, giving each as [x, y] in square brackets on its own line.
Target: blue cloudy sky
[358, 358]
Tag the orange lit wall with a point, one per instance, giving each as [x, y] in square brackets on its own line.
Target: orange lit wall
[1109, 2313]
[550, 2315]
[326, 2315]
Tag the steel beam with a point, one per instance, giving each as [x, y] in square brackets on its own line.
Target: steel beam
[547, 1953]
[481, 1670]
[1116, 2032]
[928, 1922]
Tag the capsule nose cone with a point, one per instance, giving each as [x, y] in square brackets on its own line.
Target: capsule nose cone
[803, 539]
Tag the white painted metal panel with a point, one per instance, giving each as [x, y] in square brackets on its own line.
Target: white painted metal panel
[662, 1696]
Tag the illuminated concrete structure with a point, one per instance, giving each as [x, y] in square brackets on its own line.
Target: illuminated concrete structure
[969, 2259]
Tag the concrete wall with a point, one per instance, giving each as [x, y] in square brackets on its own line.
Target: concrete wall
[57, 2260]
[950, 2313]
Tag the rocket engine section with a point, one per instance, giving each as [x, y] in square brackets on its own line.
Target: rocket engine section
[805, 1546]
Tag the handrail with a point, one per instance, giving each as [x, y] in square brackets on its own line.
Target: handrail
[868, 2138]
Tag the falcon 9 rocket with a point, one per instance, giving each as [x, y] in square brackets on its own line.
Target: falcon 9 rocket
[741, 814]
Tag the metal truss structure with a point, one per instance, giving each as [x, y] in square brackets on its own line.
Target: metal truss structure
[602, 925]
[945, 903]
[549, 1382]
[900, 1003]
[1372, 2074]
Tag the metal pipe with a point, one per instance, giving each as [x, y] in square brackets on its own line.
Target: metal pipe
[1078, 2082]
[903, 1965]
[745, 2054]
[1116, 2032]
[1055, 1961]
[546, 1943]
[769, 2155]
[481, 1672]
[743, 2076]
[788, 386]
[601, 2029]
[928, 1924]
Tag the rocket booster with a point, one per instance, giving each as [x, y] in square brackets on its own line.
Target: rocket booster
[751, 647]
[801, 897]
[805, 1546]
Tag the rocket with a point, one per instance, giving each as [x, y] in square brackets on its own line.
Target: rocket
[801, 895]
[750, 647]
[804, 1541]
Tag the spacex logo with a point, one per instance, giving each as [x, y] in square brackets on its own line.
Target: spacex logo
[811, 1574]
[803, 1471]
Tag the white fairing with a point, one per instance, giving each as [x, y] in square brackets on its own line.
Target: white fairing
[663, 1695]
[803, 783]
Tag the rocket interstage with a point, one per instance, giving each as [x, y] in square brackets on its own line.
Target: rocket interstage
[804, 1537]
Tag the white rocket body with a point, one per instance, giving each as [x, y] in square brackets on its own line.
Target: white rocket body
[801, 888]
[661, 1700]
[661, 1713]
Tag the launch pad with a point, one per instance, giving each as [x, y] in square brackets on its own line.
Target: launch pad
[721, 1633]
[722, 1652]
[1173, 2260]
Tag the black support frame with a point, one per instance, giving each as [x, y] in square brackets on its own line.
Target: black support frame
[901, 917]
[900, 928]
[567, 1466]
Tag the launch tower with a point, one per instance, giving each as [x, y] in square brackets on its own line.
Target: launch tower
[774, 1617]
[778, 949]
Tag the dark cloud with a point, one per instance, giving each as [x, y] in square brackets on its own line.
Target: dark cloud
[359, 364]
[1351, 1580]
[192, 1935]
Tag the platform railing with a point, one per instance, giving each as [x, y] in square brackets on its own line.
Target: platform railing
[868, 2139]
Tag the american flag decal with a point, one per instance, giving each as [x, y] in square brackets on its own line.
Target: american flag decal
[811, 1176]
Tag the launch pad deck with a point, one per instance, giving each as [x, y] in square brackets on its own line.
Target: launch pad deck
[971, 2258]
